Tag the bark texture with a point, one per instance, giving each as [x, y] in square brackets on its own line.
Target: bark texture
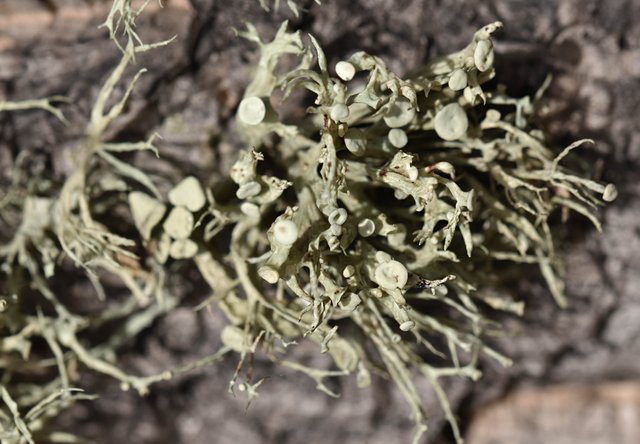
[565, 361]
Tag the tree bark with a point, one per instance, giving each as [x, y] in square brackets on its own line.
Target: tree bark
[565, 360]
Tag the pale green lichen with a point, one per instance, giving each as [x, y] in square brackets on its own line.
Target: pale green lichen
[394, 194]
[434, 138]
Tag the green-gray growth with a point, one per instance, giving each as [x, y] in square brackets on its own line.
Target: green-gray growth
[395, 194]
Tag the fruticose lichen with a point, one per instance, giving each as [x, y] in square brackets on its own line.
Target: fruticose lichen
[392, 196]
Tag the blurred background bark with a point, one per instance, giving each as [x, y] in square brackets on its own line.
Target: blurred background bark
[576, 372]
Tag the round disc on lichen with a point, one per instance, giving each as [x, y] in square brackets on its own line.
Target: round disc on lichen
[250, 209]
[345, 70]
[285, 232]
[610, 193]
[391, 275]
[147, 212]
[349, 271]
[183, 249]
[249, 189]
[458, 80]
[366, 227]
[188, 193]
[339, 112]
[398, 138]
[355, 141]
[179, 223]
[451, 122]
[401, 113]
[269, 274]
[252, 110]
[407, 325]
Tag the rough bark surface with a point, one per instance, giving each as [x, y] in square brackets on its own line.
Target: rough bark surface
[591, 47]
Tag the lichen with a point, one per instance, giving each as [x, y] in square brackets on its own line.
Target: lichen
[392, 195]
